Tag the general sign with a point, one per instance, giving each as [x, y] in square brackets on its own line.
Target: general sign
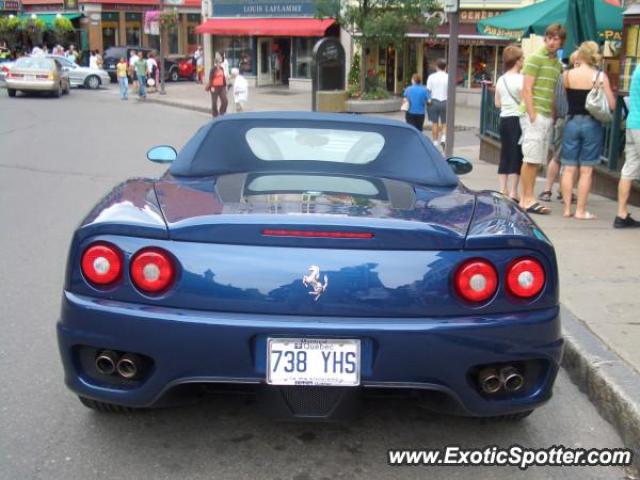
[264, 8]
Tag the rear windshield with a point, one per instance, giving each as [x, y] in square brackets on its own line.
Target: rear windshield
[35, 62]
[317, 144]
[115, 52]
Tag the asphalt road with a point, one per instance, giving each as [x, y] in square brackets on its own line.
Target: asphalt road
[58, 157]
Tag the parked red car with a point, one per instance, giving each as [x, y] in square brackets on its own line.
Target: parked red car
[186, 68]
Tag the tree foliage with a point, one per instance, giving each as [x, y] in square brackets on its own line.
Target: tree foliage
[62, 28]
[382, 22]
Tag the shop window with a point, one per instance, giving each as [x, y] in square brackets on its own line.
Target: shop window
[302, 55]
[174, 43]
[192, 36]
[240, 53]
[133, 28]
[109, 34]
[483, 65]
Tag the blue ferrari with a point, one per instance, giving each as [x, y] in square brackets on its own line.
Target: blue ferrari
[311, 259]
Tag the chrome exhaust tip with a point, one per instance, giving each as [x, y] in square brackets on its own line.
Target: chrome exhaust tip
[106, 362]
[128, 366]
[489, 380]
[511, 379]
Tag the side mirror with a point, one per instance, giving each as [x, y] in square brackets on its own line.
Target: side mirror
[460, 166]
[162, 154]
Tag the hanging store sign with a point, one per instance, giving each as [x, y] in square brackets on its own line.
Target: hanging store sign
[474, 16]
[264, 8]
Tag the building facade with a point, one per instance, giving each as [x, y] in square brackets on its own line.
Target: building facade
[101, 24]
[270, 41]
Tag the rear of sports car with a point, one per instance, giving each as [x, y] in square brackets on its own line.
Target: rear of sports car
[312, 299]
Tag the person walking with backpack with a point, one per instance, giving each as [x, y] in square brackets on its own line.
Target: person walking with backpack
[508, 99]
[583, 134]
[217, 86]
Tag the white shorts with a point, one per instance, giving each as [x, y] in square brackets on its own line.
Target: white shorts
[536, 139]
[631, 167]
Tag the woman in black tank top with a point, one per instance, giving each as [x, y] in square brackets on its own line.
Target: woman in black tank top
[583, 135]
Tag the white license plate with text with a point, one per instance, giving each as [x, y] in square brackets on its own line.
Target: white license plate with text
[313, 361]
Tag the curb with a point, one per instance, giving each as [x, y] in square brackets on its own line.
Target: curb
[207, 109]
[173, 103]
[608, 381]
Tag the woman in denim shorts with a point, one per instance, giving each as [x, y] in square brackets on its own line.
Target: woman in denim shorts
[583, 134]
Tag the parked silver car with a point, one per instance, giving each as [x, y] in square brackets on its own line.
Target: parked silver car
[83, 76]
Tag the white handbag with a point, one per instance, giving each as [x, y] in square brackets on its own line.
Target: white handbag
[596, 103]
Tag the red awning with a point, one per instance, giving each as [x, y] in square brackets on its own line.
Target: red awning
[266, 27]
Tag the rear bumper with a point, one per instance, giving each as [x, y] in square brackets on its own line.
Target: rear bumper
[216, 347]
[38, 85]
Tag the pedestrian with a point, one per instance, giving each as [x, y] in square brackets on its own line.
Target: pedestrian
[217, 85]
[240, 90]
[438, 84]
[152, 69]
[133, 59]
[199, 63]
[541, 72]
[417, 97]
[72, 54]
[508, 99]
[123, 80]
[583, 135]
[99, 60]
[141, 76]
[561, 107]
[37, 51]
[93, 59]
[631, 168]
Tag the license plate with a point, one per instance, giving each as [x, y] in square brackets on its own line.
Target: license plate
[30, 77]
[313, 361]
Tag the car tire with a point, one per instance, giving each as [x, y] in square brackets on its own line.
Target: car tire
[92, 82]
[174, 76]
[67, 90]
[104, 407]
[512, 417]
[11, 92]
[57, 92]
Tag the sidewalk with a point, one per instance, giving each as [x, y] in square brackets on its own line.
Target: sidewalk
[193, 96]
[599, 269]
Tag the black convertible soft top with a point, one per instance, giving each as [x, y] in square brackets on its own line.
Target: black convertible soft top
[221, 147]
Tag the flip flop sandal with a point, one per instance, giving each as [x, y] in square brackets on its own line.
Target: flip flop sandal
[574, 198]
[545, 196]
[587, 216]
[538, 209]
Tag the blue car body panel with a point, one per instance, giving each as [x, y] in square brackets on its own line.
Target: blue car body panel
[236, 286]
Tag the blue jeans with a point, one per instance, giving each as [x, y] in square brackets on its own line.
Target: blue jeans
[142, 86]
[123, 83]
[582, 141]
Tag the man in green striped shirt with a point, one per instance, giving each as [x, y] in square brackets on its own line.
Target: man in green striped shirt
[541, 72]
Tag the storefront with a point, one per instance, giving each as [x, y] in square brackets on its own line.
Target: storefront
[103, 24]
[269, 42]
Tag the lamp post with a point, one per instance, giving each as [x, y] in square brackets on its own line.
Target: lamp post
[452, 7]
[161, 44]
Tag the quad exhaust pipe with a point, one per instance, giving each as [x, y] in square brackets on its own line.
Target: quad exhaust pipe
[106, 362]
[127, 366]
[492, 380]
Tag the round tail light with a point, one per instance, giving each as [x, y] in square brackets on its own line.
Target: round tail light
[525, 277]
[101, 264]
[476, 280]
[152, 270]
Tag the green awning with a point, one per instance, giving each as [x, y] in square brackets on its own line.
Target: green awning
[535, 18]
[48, 18]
